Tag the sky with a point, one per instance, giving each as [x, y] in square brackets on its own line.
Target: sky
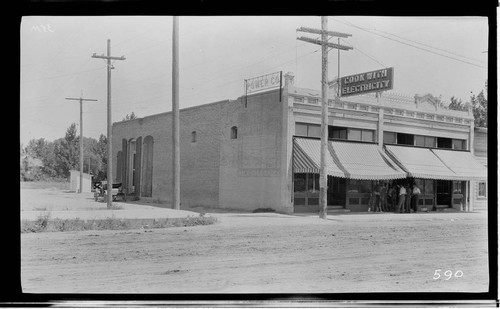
[444, 56]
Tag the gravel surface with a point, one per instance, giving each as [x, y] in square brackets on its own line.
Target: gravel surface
[263, 253]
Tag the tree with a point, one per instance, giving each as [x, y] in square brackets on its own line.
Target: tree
[130, 117]
[456, 104]
[102, 153]
[480, 108]
[63, 154]
[67, 152]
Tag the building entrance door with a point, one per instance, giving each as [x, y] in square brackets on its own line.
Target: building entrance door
[443, 193]
[336, 193]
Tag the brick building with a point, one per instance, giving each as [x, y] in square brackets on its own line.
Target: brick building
[262, 151]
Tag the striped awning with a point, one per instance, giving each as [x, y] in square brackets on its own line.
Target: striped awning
[306, 158]
[421, 163]
[364, 161]
[345, 159]
[462, 163]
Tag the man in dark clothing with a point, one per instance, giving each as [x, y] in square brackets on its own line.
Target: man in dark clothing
[408, 198]
[414, 197]
[383, 197]
[392, 195]
[376, 193]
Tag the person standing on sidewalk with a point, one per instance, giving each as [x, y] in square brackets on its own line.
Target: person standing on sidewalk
[402, 197]
[376, 192]
[383, 197]
[414, 197]
[408, 198]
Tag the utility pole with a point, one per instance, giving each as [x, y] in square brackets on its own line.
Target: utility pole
[110, 155]
[176, 163]
[323, 177]
[81, 137]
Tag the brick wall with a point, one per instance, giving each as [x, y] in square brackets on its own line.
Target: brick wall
[252, 171]
[199, 160]
[248, 172]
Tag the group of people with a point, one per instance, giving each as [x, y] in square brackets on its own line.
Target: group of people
[395, 197]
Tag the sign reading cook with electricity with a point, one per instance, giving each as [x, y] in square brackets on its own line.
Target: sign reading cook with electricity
[374, 81]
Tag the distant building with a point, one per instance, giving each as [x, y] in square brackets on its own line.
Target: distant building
[74, 181]
[262, 151]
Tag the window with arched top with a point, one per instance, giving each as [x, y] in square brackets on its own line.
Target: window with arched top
[193, 137]
[234, 132]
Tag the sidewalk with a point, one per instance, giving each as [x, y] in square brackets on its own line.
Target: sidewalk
[65, 205]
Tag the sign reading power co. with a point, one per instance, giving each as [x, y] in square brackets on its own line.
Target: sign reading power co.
[374, 81]
[263, 82]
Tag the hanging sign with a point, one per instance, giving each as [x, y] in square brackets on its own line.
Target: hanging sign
[264, 82]
[374, 81]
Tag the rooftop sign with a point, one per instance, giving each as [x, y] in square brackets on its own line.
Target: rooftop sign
[264, 82]
[374, 81]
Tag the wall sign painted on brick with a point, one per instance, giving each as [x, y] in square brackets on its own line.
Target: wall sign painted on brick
[264, 82]
[374, 81]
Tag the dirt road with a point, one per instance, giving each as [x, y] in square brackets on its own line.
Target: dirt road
[267, 253]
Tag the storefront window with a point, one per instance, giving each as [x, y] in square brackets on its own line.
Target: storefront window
[354, 135]
[404, 139]
[428, 186]
[359, 186]
[420, 140]
[481, 192]
[367, 136]
[312, 182]
[299, 182]
[301, 129]
[459, 144]
[352, 186]
[443, 142]
[314, 131]
[337, 132]
[389, 138]
[457, 187]
[365, 186]
[430, 142]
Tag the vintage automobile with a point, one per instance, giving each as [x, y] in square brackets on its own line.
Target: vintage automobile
[101, 190]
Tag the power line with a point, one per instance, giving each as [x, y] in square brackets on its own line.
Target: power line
[63, 75]
[447, 51]
[411, 45]
[363, 53]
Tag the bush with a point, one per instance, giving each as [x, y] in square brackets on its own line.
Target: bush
[43, 224]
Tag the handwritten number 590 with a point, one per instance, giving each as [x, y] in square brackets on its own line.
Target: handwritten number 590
[447, 274]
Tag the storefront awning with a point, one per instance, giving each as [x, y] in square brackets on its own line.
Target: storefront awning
[345, 159]
[463, 163]
[364, 161]
[306, 158]
[421, 163]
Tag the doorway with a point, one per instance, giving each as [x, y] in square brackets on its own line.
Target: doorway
[336, 192]
[443, 193]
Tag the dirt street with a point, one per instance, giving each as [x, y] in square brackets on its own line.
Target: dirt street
[267, 253]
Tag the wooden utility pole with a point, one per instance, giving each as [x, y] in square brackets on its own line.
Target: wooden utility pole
[81, 138]
[109, 175]
[176, 163]
[323, 177]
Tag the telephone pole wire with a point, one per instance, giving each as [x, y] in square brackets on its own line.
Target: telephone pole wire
[81, 137]
[110, 154]
[175, 116]
[323, 177]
